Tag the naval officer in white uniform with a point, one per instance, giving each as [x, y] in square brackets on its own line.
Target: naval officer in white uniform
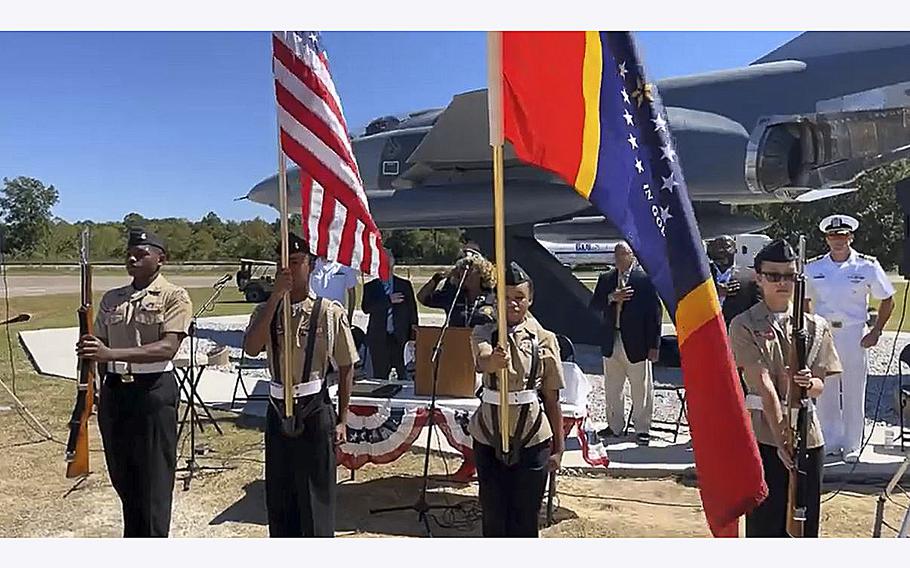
[839, 284]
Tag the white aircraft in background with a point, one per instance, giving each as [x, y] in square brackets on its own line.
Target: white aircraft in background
[577, 254]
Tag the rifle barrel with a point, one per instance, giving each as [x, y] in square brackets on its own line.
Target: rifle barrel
[77, 452]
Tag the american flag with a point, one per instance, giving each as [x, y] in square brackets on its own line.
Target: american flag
[336, 216]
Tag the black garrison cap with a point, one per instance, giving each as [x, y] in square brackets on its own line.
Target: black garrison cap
[516, 275]
[295, 245]
[776, 251]
[139, 236]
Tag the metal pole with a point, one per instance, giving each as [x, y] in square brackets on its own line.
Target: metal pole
[286, 380]
[497, 140]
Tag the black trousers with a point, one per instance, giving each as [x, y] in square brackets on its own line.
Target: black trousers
[300, 475]
[770, 518]
[386, 352]
[510, 497]
[138, 423]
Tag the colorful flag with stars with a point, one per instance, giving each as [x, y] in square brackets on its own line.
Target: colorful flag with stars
[578, 104]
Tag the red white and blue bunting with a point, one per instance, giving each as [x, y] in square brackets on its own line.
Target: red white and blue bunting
[382, 433]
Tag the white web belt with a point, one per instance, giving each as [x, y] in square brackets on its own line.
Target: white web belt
[515, 398]
[300, 390]
[122, 368]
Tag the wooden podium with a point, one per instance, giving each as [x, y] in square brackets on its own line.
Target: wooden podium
[456, 363]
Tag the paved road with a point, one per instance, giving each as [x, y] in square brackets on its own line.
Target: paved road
[42, 285]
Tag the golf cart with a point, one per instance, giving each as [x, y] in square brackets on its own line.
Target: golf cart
[255, 279]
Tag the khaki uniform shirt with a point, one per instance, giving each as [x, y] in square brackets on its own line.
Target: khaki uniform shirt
[758, 338]
[333, 337]
[131, 318]
[549, 377]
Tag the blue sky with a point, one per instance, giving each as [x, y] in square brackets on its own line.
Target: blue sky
[179, 124]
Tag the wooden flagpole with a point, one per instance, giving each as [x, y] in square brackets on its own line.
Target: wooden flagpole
[286, 380]
[497, 140]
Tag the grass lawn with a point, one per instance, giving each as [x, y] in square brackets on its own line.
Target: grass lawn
[52, 399]
[901, 288]
[59, 310]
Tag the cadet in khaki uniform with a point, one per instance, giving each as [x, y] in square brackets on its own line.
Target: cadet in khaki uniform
[300, 461]
[512, 485]
[138, 330]
[761, 342]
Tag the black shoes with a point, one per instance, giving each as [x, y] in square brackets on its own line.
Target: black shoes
[607, 433]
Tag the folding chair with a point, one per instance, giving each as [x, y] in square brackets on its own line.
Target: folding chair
[239, 384]
[902, 405]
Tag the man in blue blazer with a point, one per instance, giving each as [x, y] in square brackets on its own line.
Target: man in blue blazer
[631, 312]
[393, 318]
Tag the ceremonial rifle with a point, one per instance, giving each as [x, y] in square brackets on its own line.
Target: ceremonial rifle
[77, 462]
[551, 493]
[798, 406]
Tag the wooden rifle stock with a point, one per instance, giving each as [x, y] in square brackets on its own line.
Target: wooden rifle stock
[77, 452]
[797, 412]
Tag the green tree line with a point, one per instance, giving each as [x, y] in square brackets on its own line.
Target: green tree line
[30, 232]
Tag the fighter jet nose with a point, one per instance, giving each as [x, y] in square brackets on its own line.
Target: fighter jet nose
[266, 191]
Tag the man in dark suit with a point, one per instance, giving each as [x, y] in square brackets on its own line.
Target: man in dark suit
[631, 311]
[736, 287]
[393, 315]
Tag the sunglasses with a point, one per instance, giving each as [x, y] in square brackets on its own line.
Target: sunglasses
[779, 276]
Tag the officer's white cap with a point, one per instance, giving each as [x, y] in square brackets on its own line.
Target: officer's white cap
[838, 224]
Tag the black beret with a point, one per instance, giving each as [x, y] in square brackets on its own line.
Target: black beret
[139, 236]
[295, 245]
[516, 275]
[776, 251]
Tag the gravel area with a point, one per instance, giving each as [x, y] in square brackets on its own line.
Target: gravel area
[883, 378]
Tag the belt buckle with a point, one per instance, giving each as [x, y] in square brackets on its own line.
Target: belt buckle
[125, 377]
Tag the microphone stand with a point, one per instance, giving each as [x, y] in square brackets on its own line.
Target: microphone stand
[421, 506]
[192, 467]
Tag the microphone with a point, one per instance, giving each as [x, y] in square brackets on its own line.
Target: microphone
[223, 280]
[18, 319]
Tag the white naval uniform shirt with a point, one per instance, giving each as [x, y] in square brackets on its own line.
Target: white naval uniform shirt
[840, 290]
[332, 280]
[723, 278]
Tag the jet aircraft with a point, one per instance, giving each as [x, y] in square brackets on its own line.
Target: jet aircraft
[799, 124]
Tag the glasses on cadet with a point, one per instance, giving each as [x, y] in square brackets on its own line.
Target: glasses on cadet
[779, 276]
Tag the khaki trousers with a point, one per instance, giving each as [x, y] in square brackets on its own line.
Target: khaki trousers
[618, 369]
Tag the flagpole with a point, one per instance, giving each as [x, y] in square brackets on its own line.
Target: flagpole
[286, 380]
[494, 103]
